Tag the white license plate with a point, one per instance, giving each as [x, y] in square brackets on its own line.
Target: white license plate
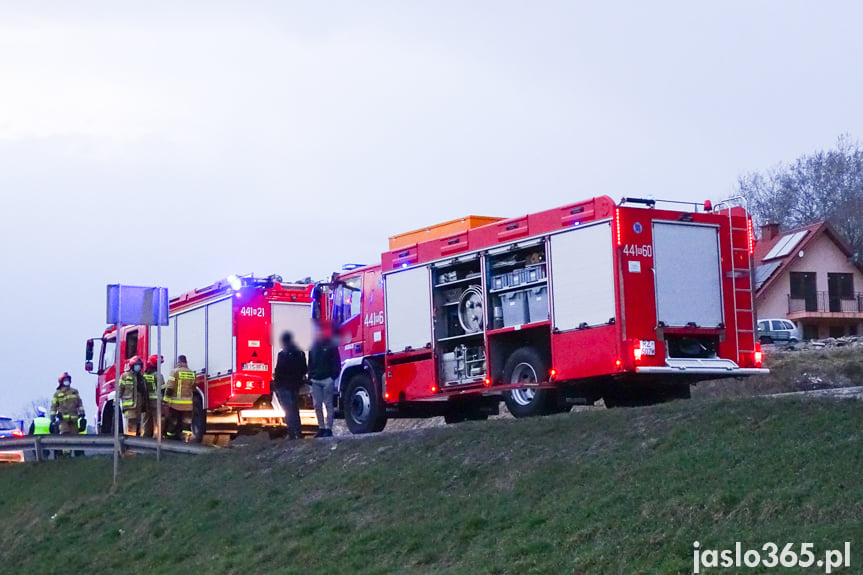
[648, 347]
[256, 367]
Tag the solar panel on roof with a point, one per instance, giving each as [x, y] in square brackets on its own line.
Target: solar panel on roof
[763, 273]
[784, 246]
[776, 247]
[791, 244]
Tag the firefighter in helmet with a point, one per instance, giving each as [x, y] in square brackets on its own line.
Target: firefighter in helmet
[67, 409]
[155, 385]
[133, 395]
[179, 392]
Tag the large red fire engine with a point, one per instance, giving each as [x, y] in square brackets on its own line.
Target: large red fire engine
[629, 303]
[229, 332]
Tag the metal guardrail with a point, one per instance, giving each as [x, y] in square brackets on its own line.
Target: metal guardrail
[102, 443]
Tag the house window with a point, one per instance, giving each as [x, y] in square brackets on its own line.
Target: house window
[842, 285]
[803, 287]
[802, 284]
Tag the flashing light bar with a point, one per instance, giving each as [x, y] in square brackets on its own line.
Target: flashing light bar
[235, 282]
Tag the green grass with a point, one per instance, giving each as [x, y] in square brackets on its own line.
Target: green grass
[606, 491]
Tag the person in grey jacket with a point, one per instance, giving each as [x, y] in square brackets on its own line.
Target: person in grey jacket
[324, 369]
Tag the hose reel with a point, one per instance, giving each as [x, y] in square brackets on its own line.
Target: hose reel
[470, 309]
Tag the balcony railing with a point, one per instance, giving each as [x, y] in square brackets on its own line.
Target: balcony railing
[822, 301]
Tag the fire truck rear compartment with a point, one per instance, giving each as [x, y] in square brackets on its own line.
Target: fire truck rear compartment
[691, 346]
[686, 274]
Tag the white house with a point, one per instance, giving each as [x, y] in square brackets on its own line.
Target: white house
[807, 276]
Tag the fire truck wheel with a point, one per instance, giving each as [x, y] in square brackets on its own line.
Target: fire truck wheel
[106, 426]
[525, 366]
[363, 410]
[199, 420]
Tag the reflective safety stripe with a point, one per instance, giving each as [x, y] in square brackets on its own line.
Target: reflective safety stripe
[150, 378]
[187, 376]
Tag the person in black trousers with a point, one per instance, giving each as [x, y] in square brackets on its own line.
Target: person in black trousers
[288, 378]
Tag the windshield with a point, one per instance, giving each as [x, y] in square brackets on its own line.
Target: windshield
[107, 358]
[7, 424]
[346, 300]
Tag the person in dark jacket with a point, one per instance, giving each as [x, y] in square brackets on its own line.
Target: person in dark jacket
[324, 369]
[288, 378]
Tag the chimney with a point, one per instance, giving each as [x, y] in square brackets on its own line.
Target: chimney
[769, 231]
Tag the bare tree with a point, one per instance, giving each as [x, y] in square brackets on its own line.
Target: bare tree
[29, 411]
[825, 185]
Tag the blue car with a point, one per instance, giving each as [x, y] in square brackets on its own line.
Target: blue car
[11, 428]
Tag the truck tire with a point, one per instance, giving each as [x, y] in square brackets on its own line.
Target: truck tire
[106, 426]
[363, 410]
[199, 420]
[526, 365]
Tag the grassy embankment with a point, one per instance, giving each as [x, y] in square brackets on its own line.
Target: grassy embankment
[604, 491]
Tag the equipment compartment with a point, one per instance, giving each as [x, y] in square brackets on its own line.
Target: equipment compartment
[459, 320]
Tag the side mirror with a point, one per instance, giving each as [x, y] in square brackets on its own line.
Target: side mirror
[88, 353]
[88, 366]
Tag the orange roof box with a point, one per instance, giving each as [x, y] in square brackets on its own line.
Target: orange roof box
[440, 230]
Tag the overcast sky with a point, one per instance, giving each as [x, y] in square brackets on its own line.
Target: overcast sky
[174, 143]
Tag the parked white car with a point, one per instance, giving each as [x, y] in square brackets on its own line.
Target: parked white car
[779, 329]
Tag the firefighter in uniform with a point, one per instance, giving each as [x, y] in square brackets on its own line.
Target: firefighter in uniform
[67, 409]
[133, 395]
[155, 385]
[179, 392]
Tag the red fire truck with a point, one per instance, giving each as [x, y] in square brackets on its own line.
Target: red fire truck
[625, 302]
[229, 332]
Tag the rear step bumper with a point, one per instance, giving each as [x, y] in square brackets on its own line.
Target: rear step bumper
[708, 370]
[275, 417]
[712, 365]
